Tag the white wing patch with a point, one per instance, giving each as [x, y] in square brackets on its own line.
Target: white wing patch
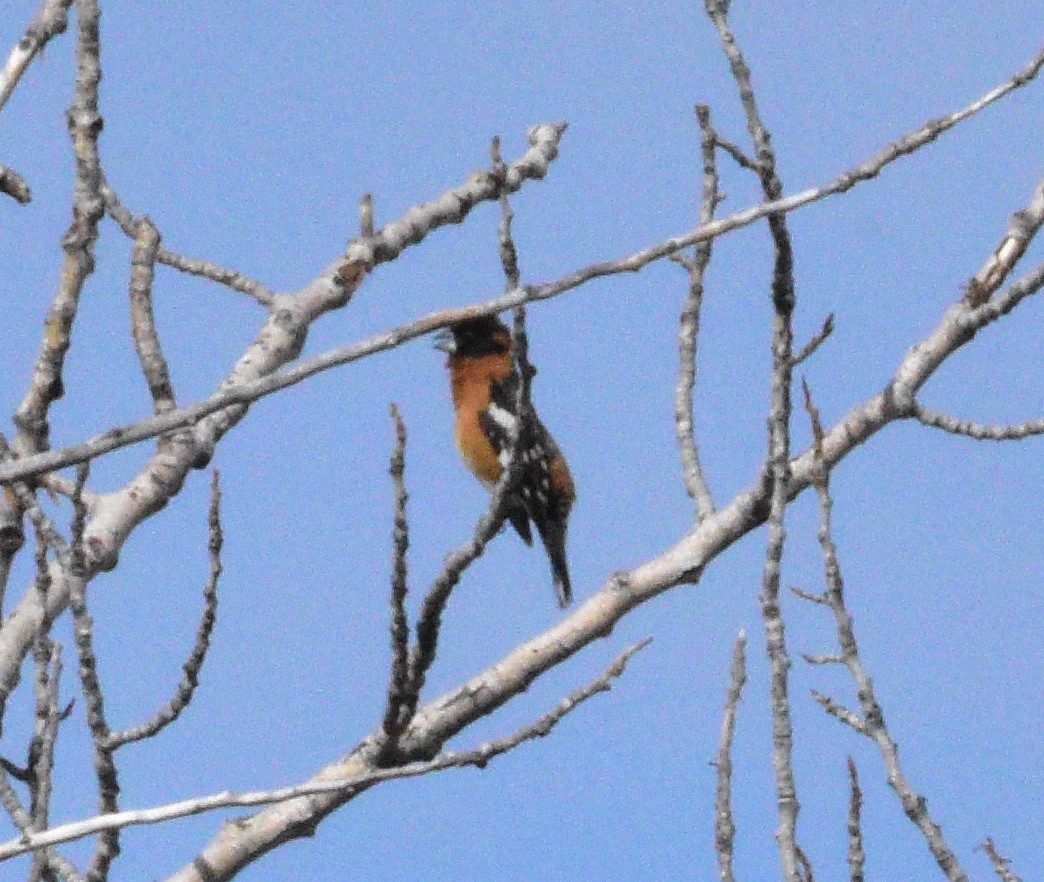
[505, 419]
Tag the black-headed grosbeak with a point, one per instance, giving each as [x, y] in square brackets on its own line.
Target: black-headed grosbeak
[484, 383]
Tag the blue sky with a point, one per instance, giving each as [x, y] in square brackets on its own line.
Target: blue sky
[248, 131]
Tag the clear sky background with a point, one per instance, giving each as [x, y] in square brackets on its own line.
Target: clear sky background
[248, 132]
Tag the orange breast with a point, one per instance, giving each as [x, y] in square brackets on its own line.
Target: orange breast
[472, 381]
[478, 453]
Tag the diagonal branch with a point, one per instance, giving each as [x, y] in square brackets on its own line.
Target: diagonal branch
[366, 778]
[50, 21]
[242, 389]
[13, 184]
[131, 226]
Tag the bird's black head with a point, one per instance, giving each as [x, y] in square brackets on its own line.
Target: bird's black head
[474, 338]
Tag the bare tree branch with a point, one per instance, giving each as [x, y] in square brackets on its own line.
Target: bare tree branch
[191, 669]
[809, 349]
[1025, 224]
[85, 126]
[21, 819]
[872, 724]
[239, 390]
[131, 226]
[856, 855]
[978, 431]
[724, 823]
[15, 186]
[50, 21]
[366, 777]
[1000, 864]
[795, 866]
[143, 321]
[688, 333]
[394, 720]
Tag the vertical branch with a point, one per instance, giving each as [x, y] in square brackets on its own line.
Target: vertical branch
[12, 535]
[108, 845]
[186, 689]
[872, 724]
[394, 721]
[688, 333]
[783, 301]
[143, 321]
[40, 766]
[856, 855]
[724, 825]
[85, 124]
[429, 623]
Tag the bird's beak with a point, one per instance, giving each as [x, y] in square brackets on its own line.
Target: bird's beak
[444, 340]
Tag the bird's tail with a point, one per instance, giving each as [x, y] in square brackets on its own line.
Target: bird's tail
[554, 538]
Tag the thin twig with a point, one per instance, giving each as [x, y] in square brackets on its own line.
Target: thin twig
[1000, 864]
[191, 669]
[143, 321]
[366, 228]
[724, 823]
[108, 845]
[856, 854]
[85, 125]
[741, 158]
[131, 226]
[872, 723]
[40, 765]
[778, 460]
[1025, 224]
[244, 392]
[21, 819]
[809, 349]
[15, 186]
[689, 330]
[479, 757]
[50, 21]
[394, 720]
[978, 431]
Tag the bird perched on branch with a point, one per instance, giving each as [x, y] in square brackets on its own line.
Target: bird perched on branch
[485, 383]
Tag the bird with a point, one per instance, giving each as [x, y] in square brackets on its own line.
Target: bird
[484, 383]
